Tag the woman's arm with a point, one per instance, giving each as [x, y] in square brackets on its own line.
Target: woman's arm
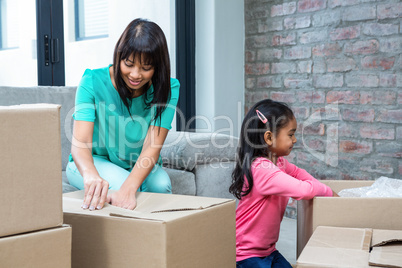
[125, 197]
[96, 188]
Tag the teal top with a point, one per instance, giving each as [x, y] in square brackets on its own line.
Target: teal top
[118, 137]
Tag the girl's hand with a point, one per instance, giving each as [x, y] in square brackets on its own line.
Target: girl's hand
[334, 194]
[96, 190]
[123, 198]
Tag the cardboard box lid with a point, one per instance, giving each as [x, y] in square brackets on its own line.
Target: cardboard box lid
[387, 248]
[336, 247]
[150, 206]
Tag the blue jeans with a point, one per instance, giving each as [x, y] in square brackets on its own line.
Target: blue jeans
[158, 180]
[275, 260]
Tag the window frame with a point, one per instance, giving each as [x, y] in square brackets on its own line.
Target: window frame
[185, 64]
[1, 35]
[49, 22]
[77, 5]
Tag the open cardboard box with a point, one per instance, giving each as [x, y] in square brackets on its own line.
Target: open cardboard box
[47, 248]
[30, 164]
[386, 248]
[163, 231]
[354, 212]
[337, 247]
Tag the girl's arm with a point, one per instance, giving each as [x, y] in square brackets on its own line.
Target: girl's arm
[301, 174]
[270, 180]
[125, 197]
[295, 171]
[95, 187]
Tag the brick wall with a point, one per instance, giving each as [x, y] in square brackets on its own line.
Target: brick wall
[338, 64]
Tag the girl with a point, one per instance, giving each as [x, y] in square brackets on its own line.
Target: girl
[263, 181]
[122, 116]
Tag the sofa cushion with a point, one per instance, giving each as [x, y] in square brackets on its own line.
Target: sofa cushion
[214, 179]
[67, 187]
[184, 150]
[183, 182]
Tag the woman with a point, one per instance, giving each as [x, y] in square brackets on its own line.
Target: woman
[122, 116]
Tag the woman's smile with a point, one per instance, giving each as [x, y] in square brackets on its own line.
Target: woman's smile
[134, 83]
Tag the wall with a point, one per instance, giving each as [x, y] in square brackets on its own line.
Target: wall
[219, 65]
[338, 64]
[19, 65]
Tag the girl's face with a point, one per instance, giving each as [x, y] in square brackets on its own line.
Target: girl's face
[282, 143]
[136, 75]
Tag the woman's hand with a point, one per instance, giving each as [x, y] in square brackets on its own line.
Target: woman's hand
[96, 190]
[95, 187]
[123, 198]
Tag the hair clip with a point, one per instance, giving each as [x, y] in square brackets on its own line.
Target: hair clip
[261, 117]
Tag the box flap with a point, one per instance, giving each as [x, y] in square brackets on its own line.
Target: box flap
[150, 206]
[319, 257]
[336, 247]
[387, 248]
[73, 205]
[345, 238]
[383, 237]
[387, 256]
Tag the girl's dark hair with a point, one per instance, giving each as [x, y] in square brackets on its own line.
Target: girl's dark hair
[144, 39]
[252, 143]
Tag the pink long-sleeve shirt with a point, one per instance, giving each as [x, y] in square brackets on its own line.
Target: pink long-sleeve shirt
[259, 214]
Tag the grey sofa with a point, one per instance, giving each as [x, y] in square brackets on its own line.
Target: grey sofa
[197, 163]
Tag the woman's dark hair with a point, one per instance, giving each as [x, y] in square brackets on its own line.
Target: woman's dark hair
[252, 143]
[144, 39]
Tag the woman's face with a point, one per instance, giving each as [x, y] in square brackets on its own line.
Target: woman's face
[136, 74]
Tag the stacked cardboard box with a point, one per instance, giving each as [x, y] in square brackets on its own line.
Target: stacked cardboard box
[163, 231]
[31, 230]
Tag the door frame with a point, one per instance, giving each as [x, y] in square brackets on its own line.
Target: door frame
[185, 64]
[50, 42]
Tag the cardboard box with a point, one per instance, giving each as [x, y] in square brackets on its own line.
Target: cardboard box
[337, 247]
[163, 231]
[386, 248]
[354, 212]
[30, 164]
[48, 248]
[332, 247]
